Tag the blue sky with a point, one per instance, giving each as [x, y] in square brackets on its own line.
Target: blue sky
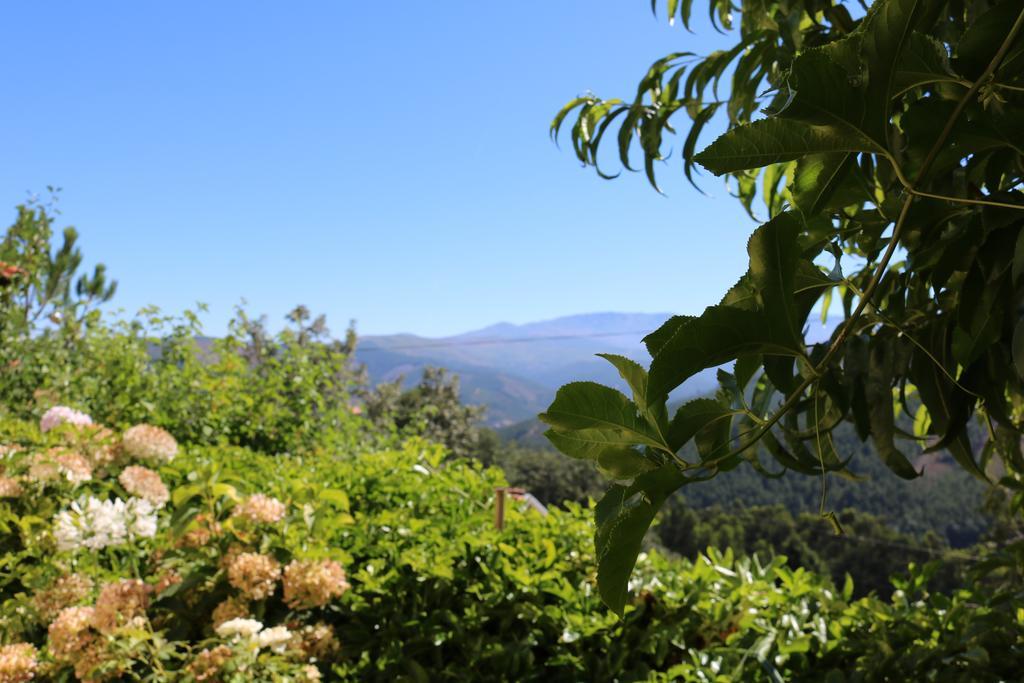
[387, 162]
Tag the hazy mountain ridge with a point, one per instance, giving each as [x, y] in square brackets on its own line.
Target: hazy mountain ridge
[516, 369]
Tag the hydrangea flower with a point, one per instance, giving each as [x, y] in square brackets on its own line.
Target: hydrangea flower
[275, 638]
[146, 484]
[149, 444]
[260, 509]
[309, 584]
[10, 488]
[254, 574]
[243, 628]
[18, 663]
[71, 633]
[59, 415]
[100, 524]
[64, 592]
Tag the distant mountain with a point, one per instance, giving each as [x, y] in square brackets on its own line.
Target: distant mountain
[515, 369]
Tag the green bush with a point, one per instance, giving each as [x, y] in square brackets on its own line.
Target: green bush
[271, 392]
[437, 593]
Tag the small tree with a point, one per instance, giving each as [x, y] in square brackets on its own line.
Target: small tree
[45, 304]
[431, 409]
[889, 161]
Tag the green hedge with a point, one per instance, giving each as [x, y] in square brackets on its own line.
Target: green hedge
[437, 593]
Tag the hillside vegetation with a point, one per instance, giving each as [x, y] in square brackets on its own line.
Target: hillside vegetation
[224, 513]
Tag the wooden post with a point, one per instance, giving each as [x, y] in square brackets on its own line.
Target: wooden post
[499, 508]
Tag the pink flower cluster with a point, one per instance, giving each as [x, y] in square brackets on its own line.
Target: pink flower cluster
[59, 415]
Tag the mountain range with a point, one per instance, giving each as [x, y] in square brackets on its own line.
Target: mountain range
[515, 370]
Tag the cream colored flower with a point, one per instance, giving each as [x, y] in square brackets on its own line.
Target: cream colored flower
[66, 591]
[43, 469]
[95, 524]
[275, 638]
[74, 467]
[245, 628]
[254, 574]
[309, 583]
[18, 663]
[317, 641]
[168, 578]
[10, 488]
[120, 603]
[259, 508]
[146, 484]
[70, 633]
[208, 663]
[149, 444]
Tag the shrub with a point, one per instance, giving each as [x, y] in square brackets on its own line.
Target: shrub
[386, 565]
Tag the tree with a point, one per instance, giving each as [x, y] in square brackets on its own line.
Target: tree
[431, 409]
[889, 159]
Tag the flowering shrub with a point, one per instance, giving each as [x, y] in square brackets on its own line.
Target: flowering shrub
[387, 566]
[113, 580]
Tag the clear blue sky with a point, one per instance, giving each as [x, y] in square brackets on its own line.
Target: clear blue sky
[387, 162]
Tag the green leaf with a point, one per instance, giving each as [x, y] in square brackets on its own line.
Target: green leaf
[886, 30]
[694, 416]
[880, 408]
[1018, 257]
[1018, 347]
[624, 463]
[685, 346]
[774, 255]
[634, 375]
[618, 461]
[924, 61]
[983, 37]
[772, 141]
[556, 123]
[607, 415]
[817, 178]
[821, 90]
[623, 516]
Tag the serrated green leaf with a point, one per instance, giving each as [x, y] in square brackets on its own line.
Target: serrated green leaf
[772, 141]
[886, 30]
[719, 335]
[624, 463]
[623, 516]
[607, 415]
[633, 374]
[694, 416]
[924, 61]
[774, 255]
[817, 178]
[880, 409]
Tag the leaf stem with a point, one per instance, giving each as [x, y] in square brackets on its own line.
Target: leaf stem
[964, 200]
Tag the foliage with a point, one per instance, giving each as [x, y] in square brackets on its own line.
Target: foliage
[431, 409]
[431, 590]
[869, 551]
[889, 162]
[271, 392]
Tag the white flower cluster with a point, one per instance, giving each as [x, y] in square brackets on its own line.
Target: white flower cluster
[58, 415]
[101, 523]
[275, 638]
